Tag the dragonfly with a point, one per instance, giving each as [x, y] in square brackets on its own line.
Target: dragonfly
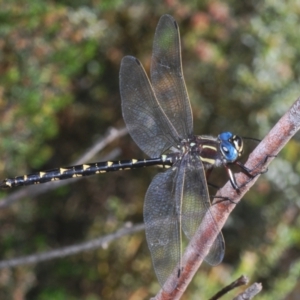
[159, 118]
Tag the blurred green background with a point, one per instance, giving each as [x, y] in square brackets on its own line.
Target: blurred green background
[59, 64]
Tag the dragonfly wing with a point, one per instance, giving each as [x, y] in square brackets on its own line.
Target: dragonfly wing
[145, 119]
[216, 252]
[162, 217]
[196, 205]
[167, 76]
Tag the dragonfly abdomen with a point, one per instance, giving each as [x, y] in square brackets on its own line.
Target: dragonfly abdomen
[84, 170]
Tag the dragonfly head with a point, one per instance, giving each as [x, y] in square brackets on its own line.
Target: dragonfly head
[231, 146]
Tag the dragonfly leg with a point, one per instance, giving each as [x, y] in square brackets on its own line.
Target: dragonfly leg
[222, 199]
[208, 172]
[232, 177]
[213, 185]
[247, 172]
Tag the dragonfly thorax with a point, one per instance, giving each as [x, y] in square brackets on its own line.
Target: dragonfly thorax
[213, 151]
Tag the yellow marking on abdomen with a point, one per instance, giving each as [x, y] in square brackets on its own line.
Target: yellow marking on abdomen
[134, 161]
[42, 174]
[61, 170]
[109, 163]
[76, 175]
[85, 167]
[101, 171]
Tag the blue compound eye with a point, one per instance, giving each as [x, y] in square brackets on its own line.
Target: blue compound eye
[229, 151]
[231, 146]
[225, 136]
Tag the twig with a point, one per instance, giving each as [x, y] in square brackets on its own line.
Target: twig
[240, 281]
[250, 292]
[200, 244]
[32, 191]
[111, 135]
[70, 250]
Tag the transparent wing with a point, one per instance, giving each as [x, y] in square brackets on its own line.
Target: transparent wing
[162, 222]
[178, 200]
[167, 76]
[196, 205]
[147, 123]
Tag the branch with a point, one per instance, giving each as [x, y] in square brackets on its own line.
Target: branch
[250, 292]
[111, 135]
[200, 244]
[240, 281]
[70, 250]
